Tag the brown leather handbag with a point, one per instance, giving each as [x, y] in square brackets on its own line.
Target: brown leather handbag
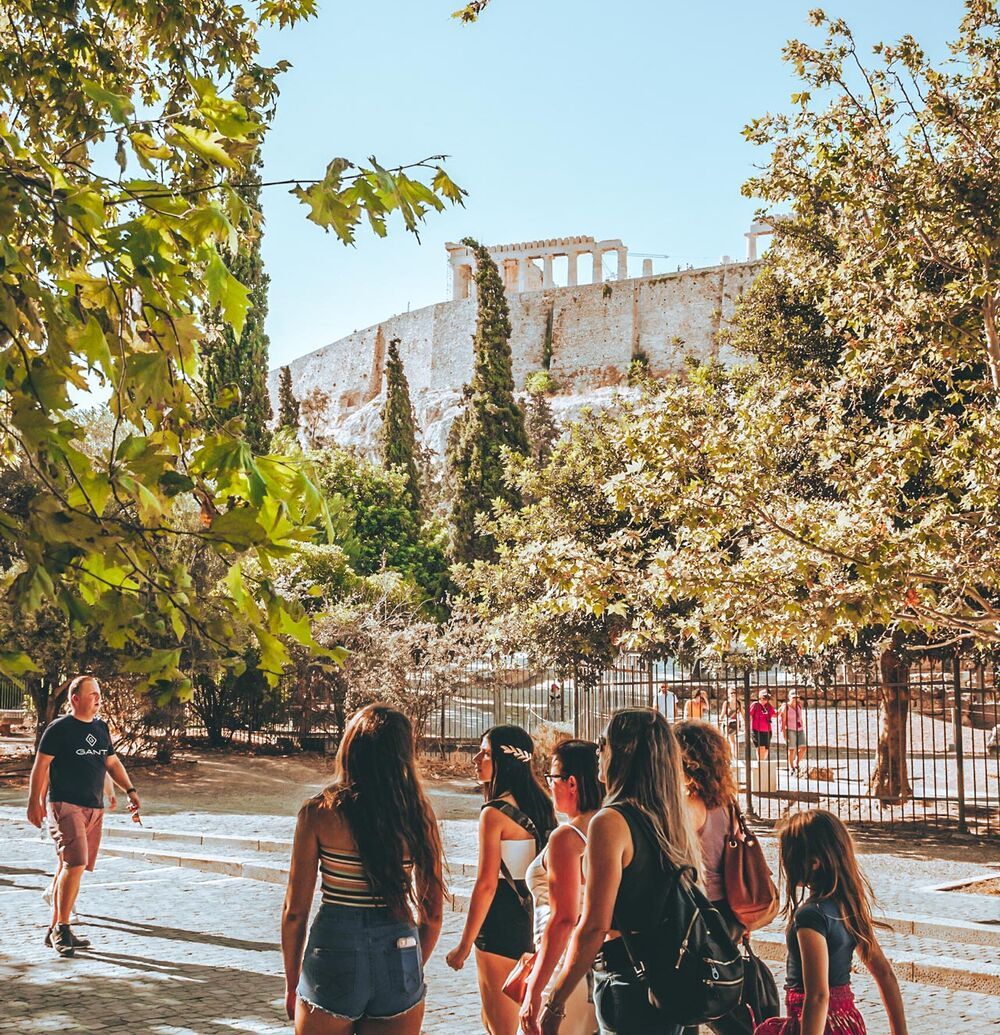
[516, 984]
[750, 891]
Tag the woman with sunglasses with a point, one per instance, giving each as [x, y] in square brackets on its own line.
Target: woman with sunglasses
[555, 880]
[643, 828]
[514, 824]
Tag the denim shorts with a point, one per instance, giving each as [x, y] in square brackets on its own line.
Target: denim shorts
[361, 963]
[621, 1001]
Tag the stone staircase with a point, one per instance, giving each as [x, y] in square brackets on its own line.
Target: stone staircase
[929, 948]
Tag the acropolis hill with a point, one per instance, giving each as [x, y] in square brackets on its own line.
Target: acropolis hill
[592, 332]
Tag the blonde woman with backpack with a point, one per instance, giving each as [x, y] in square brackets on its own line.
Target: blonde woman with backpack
[643, 828]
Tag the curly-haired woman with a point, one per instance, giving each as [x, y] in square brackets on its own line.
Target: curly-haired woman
[712, 790]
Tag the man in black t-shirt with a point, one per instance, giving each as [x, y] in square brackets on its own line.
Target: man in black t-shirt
[74, 756]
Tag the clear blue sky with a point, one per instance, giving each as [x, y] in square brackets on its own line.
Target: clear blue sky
[561, 117]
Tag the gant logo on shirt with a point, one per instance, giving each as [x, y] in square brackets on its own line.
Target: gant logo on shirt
[91, 740]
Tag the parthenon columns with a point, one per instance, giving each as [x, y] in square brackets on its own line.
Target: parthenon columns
[518, 263]
[757, 229]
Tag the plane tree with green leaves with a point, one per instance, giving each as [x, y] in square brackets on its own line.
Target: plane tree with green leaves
[123, 153]
[841, 493]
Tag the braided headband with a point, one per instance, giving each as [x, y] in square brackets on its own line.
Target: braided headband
[519, 753]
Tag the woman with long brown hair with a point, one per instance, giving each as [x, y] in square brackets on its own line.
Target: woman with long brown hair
[374, 840]
[643, 829]
[829, 914]
[514, 824]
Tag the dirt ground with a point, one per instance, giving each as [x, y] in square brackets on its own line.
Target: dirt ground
[244, 784]
[983, 887]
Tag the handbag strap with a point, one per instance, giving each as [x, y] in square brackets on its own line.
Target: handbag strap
[524, 821]
[739, 825]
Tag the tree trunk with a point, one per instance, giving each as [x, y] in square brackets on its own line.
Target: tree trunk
[48, 695]
[890, 781]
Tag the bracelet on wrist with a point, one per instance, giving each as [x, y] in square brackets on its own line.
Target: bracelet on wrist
[130, 790]
[554, 1008]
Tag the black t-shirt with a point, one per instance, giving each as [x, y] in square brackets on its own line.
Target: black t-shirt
[823, 915]
[80, 753]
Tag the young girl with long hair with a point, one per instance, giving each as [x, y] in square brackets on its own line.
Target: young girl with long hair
[830, 917]
[374, 840]
[556, 882]
[643, 829]
[514, 824]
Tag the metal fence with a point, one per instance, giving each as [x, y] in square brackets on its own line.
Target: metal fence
[952, 766]
[12, 697]
[951, 755]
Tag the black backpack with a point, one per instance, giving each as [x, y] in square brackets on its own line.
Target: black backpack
[691, 967]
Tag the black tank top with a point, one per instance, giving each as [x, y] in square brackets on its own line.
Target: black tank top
[639, 891]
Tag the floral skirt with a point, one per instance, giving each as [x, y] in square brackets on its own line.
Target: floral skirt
[841, 1019]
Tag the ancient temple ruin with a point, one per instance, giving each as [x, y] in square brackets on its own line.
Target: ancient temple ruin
[518, 266]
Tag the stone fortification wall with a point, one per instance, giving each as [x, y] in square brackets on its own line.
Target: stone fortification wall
[596, 331]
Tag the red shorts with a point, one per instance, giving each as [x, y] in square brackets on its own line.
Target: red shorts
[842, 1017]
[76, 831]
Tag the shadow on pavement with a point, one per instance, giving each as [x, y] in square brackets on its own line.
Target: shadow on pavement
[206, 999]
[115, 923]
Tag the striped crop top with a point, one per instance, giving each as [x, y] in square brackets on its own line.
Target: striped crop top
[344, 881]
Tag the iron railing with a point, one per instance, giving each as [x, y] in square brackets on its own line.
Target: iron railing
[952, 772]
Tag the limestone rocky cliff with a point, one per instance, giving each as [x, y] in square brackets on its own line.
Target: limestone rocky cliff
[590, 334]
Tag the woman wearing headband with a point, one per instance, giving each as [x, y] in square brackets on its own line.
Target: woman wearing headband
[514, 824]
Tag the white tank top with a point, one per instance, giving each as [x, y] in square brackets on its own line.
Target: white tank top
[537, 879]
[518, 855]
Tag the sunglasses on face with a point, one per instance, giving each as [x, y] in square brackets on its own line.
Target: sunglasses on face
[552, 777]
[602, 742]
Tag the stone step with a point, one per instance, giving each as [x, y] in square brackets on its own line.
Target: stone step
[916, 924]
[133, 832]
[937, 968]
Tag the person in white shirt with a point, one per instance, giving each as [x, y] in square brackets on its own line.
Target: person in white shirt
[666, 702]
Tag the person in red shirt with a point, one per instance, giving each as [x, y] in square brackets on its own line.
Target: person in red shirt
[761, 718]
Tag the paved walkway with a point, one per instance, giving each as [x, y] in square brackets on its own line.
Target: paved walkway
[178, 952]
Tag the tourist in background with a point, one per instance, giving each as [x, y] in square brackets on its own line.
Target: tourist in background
[761, 722]
[731, 719]
[829, 909]
[792, 720]
[696, 706]
[374, 840]
[712, 791]
[644, 824]
[666, 702]
[514, 824]
[556, 882]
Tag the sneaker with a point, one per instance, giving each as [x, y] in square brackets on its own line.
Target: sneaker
[61, 939]
[77, 941]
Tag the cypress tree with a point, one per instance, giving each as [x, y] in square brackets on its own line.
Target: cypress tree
[243, 362]
[542, 429]
[399, 431]
[288, 405]
[490, 422]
